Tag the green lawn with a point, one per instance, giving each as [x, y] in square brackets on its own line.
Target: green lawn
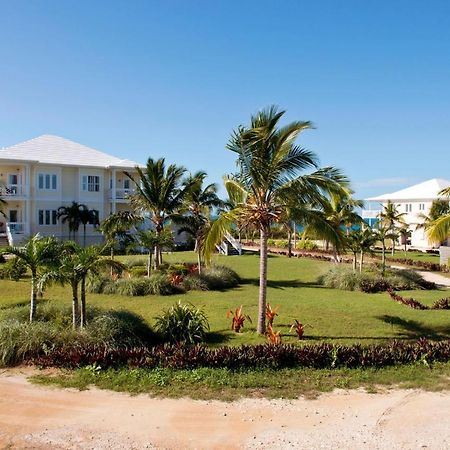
[332, 315]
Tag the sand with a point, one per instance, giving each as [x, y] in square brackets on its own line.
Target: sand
[36, 417]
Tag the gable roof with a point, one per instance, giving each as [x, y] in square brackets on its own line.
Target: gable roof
[50, 149]
[428, 190]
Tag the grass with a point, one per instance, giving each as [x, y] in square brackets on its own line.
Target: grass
[332, 315]
[230, 385]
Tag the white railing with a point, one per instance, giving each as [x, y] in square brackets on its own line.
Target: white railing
[9, 236]
[370, 214]
[14, 230]
[121, 194]
[13, 190]
[234, 242]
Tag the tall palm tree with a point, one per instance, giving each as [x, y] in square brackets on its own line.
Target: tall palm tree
[269, 182]
[360, 242]
[391, 218]
[87, 216]
[72, 215]
[438, 230]
[38, 254]
[195, 216]
[382, 233]
[161, 192]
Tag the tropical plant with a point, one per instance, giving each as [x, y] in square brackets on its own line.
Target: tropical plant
[237, 319]
[360, 242]
[271, 313]
[383, 232]
[391, 219]
[299, 329]
[437, 225]
[87, 216]
[150, 239]
[405, 233]
[273, 337]
[182, 323]
[116, 227]
[199, 202]
[72, 215]
[269, 183]
[39, 254]
[161, 192]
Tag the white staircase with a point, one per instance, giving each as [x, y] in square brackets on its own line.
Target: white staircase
[229, 246]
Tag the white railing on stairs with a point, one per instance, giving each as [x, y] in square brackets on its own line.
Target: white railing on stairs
[234, 242]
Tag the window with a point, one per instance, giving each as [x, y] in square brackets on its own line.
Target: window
[421, 206]
[47, 217]
[47, 181]
[408, 207]
[90, 183]
[126, 184]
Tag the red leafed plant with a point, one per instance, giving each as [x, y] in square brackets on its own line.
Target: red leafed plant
[175, 279]
[273, 337]
[299, 329]
[271, 313]
[238, 319]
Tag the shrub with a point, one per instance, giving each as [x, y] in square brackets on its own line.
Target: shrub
[182, 323]
[160, 285]
[2, 258]
[138, 271]
[129, 263]
[318, 356]
[443, 303]
[194, 282]
[372, 281]
[95, 284]
[132, 287]
[220, 277]
[13, 269]
[306, 244]
[52, 331]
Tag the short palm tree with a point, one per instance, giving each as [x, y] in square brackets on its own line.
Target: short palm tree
[149, 239]
[87, 216]
[382, 233]
[117, 227]
[72, 215]
[199, 202]
[269, 183]
[360, 242]
[39, 254]
[161, 192]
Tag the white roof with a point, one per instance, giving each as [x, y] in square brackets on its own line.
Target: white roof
[428, 190]
[49, 149]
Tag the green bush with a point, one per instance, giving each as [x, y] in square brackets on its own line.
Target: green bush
[13, 269]
[371, 280]
[182, 324]
[160, 285]
[194, 282]
[138, 271]
[220, 277]
[306, 244]
[132, 287]
[129, 263]
[52, 330]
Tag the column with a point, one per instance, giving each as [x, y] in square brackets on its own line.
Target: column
[113, 193]
[27, 200]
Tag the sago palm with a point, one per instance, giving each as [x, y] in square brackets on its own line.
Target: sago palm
[159, 191]
[269, 183]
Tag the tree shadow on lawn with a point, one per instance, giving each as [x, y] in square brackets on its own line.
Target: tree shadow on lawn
[413, 329]
[218, 337]
[282, 284]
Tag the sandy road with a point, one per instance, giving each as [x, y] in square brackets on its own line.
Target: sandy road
[33, 417]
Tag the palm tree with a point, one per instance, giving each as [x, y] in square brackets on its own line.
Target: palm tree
[161, 192]
[87, 216]
[383, 232]
[405, 233]
[72, 215]
[340, 212]
[269, 183]
[149, 239]
[2, 204]
[198, 205]
[390, 217]
[117, 226]
[438, 230]
[39, 253]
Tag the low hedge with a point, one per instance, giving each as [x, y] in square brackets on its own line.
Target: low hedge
[443, 303]
[320, 356]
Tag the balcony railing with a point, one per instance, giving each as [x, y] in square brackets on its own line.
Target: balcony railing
[16, 227]
[370, 214]
[121, 194]
[12, 190]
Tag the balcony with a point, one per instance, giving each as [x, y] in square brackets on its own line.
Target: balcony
[13, 190]
[370, 214]
[121, 194]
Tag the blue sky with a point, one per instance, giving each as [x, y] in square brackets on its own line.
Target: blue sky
[173, 78]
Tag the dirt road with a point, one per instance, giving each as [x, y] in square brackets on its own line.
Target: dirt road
[49, 418]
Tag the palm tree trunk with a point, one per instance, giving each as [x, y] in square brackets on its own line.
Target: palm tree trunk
[149, 263]
[112, 258]
[289, 243]
[354, 262]
[199, 262]
[393, 247]
[84, 235]
[83, 303]
[74, 304]
[261, 328]
[383, 258]
[361, 261]
[33, 297]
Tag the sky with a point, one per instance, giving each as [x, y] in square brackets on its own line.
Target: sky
[173, 79]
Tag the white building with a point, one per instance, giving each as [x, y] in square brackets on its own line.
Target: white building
[42, 174]
[413, 201]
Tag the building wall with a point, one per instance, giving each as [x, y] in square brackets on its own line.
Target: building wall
[444, 253]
